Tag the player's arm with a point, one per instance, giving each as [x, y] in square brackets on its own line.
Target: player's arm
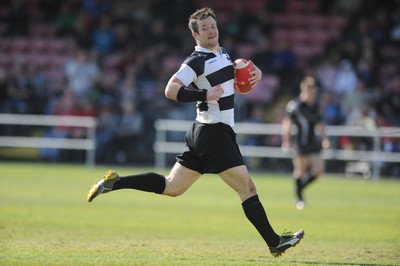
[177, 91]
[286, 133]
[172, 88]
[320, 127]
[325, 140]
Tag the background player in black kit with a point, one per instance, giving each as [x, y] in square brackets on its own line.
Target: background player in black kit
[309, 139]
[206, 77]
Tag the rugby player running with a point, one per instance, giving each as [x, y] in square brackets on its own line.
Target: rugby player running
[207, 78]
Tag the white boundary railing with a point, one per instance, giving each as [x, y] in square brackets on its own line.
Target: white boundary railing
[88, 144]
[162, 147]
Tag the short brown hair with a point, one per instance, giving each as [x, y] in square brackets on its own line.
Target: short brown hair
[199, 15]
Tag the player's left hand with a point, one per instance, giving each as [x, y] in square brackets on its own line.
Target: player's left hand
[255, 75]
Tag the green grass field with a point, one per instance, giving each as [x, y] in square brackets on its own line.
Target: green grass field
[45, 220]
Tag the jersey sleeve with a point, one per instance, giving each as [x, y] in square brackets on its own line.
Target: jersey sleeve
[190, 69]
[186, 74]
[291, 108]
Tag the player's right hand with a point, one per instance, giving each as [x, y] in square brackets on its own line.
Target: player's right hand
[286, 146]
[215, 93]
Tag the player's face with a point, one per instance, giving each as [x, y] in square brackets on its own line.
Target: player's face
[208, 34]
[309, 91]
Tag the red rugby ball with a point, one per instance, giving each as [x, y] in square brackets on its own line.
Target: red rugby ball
[242, 68]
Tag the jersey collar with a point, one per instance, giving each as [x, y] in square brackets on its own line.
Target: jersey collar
[205, 50]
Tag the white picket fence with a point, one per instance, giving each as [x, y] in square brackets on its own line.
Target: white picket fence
[88, 144]
[374, 157]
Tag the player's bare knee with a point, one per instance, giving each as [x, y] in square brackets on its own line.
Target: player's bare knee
[173, 192]
[252, 188]
[248, 191]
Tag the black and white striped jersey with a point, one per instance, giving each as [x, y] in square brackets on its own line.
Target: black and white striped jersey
[305, 117]
[204, 69]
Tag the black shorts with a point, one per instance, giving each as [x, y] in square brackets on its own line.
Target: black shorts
[210, 148]
[310, 149]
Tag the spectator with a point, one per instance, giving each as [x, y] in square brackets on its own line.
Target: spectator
[264, 56]
[83, 27]
[257, 115]
[105, 134]
[364, 119]
[354, 101]
[67, 104]
[369, 39]
[3, 88]
[388, 105]
[66, 20]
[326, 73]
[127, 88]
[395, 33]
[122, 39]
[128, 131]
[39, 88]
[107, 89]
[331, 109]
[19, 92]
[346, 78]
[81, 73]
[284, 58]
[97, 8]
[285, 63]
[103, 37]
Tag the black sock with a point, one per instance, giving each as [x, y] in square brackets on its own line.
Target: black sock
[150, 182]
[299, 188]
[309, 180]
[255, 212]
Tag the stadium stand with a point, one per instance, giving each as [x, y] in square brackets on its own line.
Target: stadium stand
[39, 37]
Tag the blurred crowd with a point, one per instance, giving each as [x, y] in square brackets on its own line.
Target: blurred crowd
[112, 60]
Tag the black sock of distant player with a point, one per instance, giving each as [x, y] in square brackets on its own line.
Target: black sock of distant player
[299, 188]
[255, 212]
[150, 182]
[309, 180]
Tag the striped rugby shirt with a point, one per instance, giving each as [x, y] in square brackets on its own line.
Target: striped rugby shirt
[305, 117]
[204, 69]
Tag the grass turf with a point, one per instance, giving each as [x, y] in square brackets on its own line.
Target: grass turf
[45, 220]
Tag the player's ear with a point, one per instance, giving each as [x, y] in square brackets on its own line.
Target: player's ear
[195, 35]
